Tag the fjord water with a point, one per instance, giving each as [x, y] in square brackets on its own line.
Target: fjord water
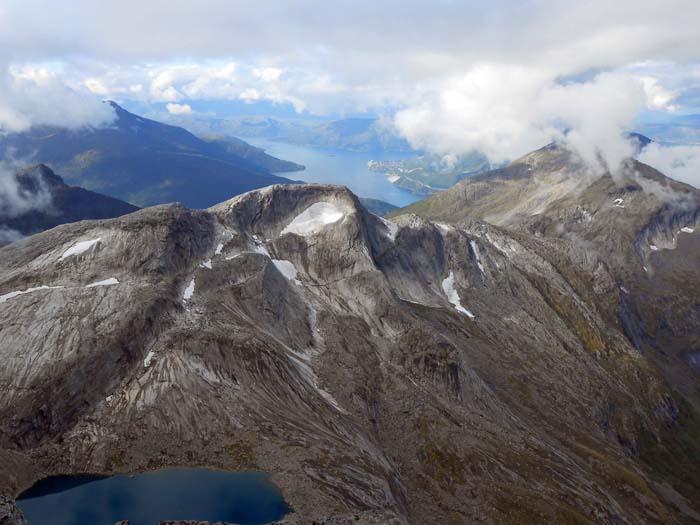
[148, 498]
[347, 168]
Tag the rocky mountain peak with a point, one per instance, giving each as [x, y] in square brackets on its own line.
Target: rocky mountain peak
[359, 360]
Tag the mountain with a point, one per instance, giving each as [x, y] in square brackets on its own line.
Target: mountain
[353, 134]
[142, 161]
[240, 126]
[253, 154]
[57, 204]
[403, 371]
[429, 174]
[638, 225]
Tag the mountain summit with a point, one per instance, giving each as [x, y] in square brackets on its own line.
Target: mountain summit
[389, 372]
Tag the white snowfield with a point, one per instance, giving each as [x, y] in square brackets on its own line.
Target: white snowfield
[148, 360]
[475, 249]
[189, 291]
[259, 247]
[287, 269]
[392, 229]
[448, 286]
[314, 218]
[106, 282]
[78, 248]
[10, 295]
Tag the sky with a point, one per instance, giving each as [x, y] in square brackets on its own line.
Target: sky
[503, 77]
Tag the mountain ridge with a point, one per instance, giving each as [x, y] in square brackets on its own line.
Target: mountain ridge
[411, 368]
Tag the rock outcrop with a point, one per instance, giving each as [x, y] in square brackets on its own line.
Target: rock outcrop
[9, 513]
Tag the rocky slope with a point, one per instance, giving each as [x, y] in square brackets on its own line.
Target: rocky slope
[252, 153]
[46, 201]
[413, 370]
[638, 224]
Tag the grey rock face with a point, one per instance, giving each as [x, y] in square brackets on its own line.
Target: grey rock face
[9, 513]
[408, 371]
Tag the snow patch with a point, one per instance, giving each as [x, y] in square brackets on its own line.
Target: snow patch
[393, 178]
[259, 247]
[149, 359]
[106, 282]
[686, 229]
[475, 249]
[314, 218]
[188, 291]
[653, 247]
[618, 202]
[448, 286]
[219, 247]
[205, 264]
[78, 248]
[287, 269]
[392, 229]
[8, 296]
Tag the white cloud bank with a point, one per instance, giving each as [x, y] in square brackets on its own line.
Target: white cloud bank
[16, 199]
[506, 111]
[680, 162]
[178, 109]
[495, 76]
[31, 96]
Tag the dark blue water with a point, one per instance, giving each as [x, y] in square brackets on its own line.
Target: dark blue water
[331, 166]
[148, 498]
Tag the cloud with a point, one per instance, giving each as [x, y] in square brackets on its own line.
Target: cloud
[18, 198]
[678, 162]
[31, 96]
[507, 111]
[8, 235]
[495, 76]
[178, 109]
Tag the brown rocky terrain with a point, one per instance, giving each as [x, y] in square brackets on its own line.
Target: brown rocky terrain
[407, 371]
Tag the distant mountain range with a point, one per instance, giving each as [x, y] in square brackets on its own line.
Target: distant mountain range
[355, 134]
[147, 162]
[58, 204]
[352, 134]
